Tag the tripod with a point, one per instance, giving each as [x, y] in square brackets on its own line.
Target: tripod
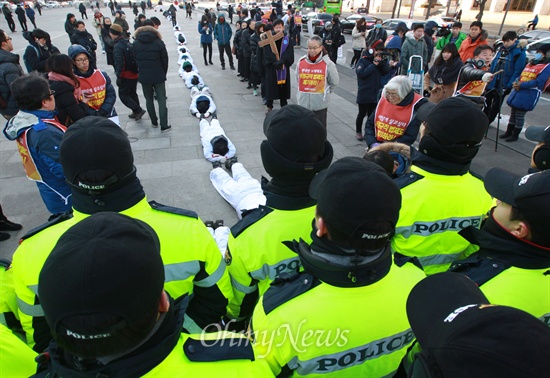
[499, 88]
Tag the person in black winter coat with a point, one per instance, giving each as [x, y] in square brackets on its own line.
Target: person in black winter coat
[255, 78]
[21, 17]
[38, 51]
[331, 38]
[69, 102]
[172, 11]
[8, 16]
[276, 72]
[126, 71]
[83, 38]
[376, 33]
[246, 33]
[370, 69]
[70, 25]
[443, 75]
[9, 71]
[237, 46]
[82, 10]
[108, 41]
[152, 61]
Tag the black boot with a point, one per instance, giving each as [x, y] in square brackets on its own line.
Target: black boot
[514, 136]
[508, 132]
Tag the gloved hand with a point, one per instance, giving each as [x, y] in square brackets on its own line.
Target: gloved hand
[198, 115]
[278, 65]
[487, 77]
[206, 115]
[118, 81]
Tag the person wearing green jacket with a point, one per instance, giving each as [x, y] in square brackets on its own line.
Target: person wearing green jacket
[456, 36]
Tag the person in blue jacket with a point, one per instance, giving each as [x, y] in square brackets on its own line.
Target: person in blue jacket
[534, 79]
[512, 59]
[38, 136]
[222, 33]
[205, 29]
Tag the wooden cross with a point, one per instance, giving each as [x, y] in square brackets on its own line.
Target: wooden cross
[269, 39]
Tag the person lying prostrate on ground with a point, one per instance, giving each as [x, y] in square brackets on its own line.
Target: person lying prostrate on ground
[216, 146]
[202, 104]
[187, 73]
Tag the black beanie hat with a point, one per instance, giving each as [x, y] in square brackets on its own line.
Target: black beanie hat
[97, 267]
[296, 142]
[95, 154]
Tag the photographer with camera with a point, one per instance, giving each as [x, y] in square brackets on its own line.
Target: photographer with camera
[370, 69]
[455, 36]
[511, 59]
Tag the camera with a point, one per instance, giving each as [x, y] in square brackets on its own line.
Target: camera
[442, 32]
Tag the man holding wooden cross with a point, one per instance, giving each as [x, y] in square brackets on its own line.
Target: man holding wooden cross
[275, 56]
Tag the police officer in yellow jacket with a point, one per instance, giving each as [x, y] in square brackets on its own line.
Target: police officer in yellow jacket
[344, 315]
[17, 357]
[113, 322]
[440, 195]
[294, 151]
[460, 333]
[98, 163]
[513, 262]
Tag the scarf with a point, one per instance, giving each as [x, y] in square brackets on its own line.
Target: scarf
[54, 76]
[281, 73]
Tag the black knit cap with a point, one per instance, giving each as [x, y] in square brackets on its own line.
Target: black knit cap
[462, 335]
[95, 154]
[296, 143]
[295, 133]
[455, 120]
[352, 194]
[97, 267]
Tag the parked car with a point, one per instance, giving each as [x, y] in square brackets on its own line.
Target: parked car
[319, 21]
[52, 4]
[391, 24]
[348, 23]
[362, 11]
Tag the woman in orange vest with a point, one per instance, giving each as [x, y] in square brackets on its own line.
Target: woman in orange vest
[95, 85]
[394, 119]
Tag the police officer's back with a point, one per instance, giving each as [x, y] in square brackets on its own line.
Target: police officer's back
[344, 315]
[294, 151]
[440, 195]
[97, 159]
[102, 327]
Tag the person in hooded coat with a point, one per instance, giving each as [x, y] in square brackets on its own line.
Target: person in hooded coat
[38, 51]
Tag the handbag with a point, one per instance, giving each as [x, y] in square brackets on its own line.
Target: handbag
[341, 40]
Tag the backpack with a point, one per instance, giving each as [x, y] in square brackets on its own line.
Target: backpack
[130, 57]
